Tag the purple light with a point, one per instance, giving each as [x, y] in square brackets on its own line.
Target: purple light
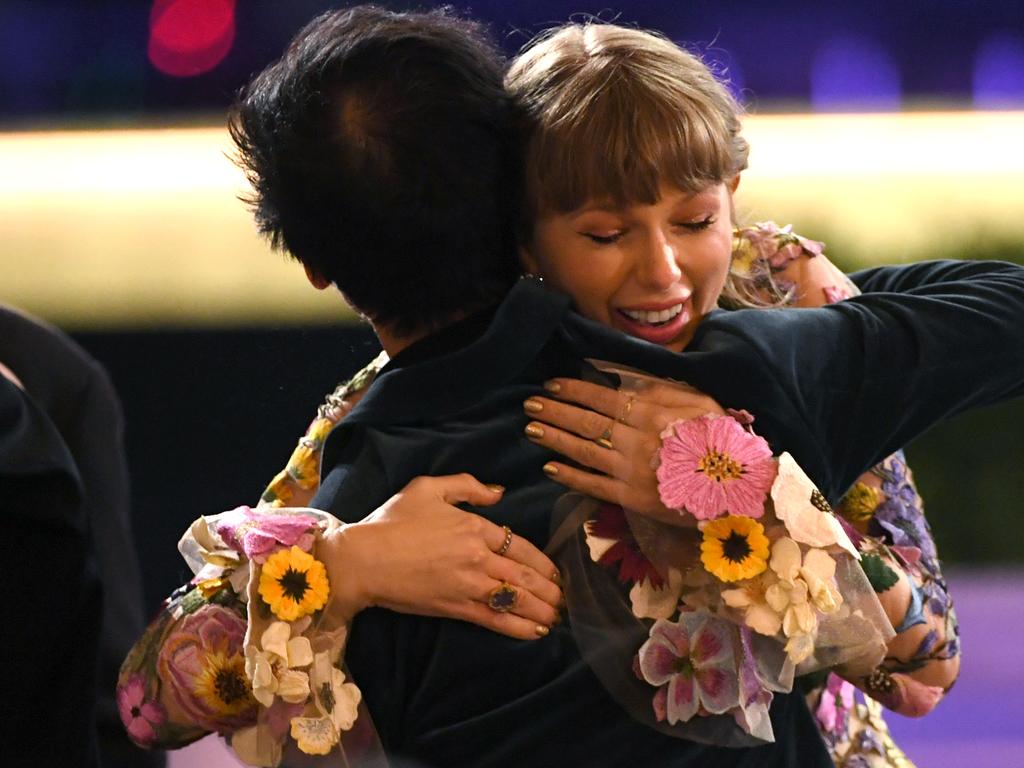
[999, 72]
[727, 68]
[854, 73]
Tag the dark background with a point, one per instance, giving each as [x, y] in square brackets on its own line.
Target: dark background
[88, 60]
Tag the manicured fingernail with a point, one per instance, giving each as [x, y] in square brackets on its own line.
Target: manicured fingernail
[495, 488]
[532, 430]
[556, 577]
[549, 468]
[533, 406]
[553, 386]
[542, 631]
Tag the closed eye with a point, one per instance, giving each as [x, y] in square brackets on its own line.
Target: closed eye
[697, 226]
[603, 239]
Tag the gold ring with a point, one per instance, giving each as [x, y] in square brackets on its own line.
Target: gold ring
[605, 440]
[502, 598]
[507, 542]
[623, 419]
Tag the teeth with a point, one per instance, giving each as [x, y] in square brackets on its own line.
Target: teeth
[651, 318]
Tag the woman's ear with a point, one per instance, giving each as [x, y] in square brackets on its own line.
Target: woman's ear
[317, 280]
[734, 182]
[530, 264]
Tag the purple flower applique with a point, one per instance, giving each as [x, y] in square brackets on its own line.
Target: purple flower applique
[140, 717]
[901, 515]
[258, 534]
[692, 661]
[755, 698]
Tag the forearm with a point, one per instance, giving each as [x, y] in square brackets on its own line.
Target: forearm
[162, 700]
[900, 557]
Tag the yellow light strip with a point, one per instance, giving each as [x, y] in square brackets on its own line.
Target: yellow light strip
[143, 227]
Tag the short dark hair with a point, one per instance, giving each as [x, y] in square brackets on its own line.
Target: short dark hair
[381, 152]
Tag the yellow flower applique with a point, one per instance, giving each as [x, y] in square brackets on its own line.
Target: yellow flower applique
[294, 584]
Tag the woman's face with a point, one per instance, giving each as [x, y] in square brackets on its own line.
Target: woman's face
[652, 271]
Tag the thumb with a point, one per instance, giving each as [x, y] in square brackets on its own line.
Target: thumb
[456, 489]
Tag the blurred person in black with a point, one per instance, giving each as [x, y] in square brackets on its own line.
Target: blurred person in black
[51, 634]
[76, 394]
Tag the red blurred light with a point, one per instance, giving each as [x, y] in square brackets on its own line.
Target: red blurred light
[190, 37]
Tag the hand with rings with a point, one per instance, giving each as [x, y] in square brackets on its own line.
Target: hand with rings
[613, 433]
[419, 553]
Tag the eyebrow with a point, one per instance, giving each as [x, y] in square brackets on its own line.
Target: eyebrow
[608, 206]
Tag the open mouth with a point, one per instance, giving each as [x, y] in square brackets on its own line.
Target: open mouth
[658, 326]
[655, 319]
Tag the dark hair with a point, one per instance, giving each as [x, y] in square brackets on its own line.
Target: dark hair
[381, 153]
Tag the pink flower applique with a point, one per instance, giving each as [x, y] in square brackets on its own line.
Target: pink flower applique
[779, 245]
[258, 534]
[140, 717]
[610, 523]
[711, 465]
[835, 705]
[692, 661]
[836, 293]
[203, 663]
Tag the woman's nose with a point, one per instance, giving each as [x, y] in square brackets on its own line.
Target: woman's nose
[659, 266]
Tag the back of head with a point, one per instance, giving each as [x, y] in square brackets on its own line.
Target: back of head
[613, 112]
[380, 149]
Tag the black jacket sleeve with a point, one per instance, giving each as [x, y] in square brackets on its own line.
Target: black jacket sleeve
[871, 373]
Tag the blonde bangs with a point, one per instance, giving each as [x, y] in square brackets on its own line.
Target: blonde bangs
[613, 113]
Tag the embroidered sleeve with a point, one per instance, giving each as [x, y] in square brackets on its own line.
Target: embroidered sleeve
[796, 265]
[297, 483]
[191, 672]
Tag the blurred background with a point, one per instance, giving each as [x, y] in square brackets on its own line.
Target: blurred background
[891, 131]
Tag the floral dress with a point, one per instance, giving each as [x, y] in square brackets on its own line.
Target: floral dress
[884, 505]
[209, 690]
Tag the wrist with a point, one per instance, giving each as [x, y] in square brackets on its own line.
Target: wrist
[343, 559]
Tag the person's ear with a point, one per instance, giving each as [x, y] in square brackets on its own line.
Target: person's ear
[530, 264]
[734, 182]
[316, 279]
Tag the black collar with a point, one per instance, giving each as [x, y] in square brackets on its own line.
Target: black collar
[439, 380]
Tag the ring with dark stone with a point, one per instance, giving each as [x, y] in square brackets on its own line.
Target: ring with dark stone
[503, 598]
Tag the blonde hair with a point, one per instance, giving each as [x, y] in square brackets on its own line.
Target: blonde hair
[610, 112]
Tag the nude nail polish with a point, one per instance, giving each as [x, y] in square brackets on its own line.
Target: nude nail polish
[542, 631]
[495, 488]
[553, 387]
[533, 406]
[532, 430]
[550, 469]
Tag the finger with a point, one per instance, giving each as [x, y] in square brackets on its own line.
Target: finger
[525, 577]
[582, 451]
[606, 401]
[581, 421]
[462, 488]
[612, 490]
[508, 624]
[527, 604]
[523, 551]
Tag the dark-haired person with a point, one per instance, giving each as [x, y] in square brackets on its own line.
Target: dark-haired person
[446, 692]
